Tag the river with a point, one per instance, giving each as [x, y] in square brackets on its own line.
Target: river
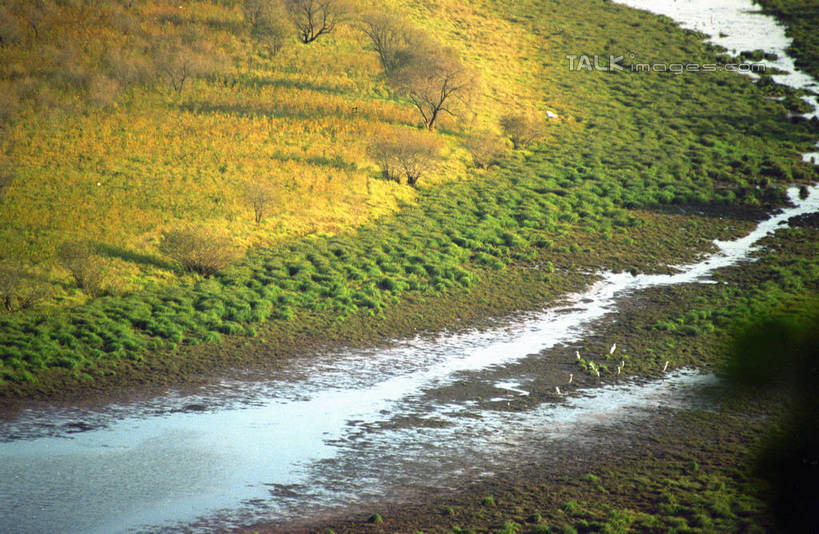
[356, 424]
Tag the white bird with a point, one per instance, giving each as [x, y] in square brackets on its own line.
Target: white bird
[571, 376]
[622, 363]
[618, 370]
[557, 390]
[577, 354]
[597, 372]
[665, 366]
[613, 348]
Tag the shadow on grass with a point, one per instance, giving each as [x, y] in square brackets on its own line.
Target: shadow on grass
[284, 83]
[273, 112]
[131, 256]
[765, 126]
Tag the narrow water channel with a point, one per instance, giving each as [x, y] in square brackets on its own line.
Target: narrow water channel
[344, 427]
[331, 430]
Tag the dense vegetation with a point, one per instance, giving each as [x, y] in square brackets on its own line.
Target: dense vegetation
[173, 159]
[801, 19]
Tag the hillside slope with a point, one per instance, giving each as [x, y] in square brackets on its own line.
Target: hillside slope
[117, 156]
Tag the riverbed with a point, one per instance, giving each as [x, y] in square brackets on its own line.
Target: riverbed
[332, 430]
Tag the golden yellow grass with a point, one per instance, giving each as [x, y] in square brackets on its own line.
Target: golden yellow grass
[300, 122]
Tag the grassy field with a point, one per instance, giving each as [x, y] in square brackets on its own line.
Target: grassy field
[104, 148]
[341, 242]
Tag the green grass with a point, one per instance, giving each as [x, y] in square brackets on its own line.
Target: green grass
[801, 19]
[634, 142]
[693, 476]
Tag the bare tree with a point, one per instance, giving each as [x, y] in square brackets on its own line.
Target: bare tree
[432, 78]
[269, 24]
[314, 18]
[522, 128]
[259, 196]
[406, 154]
[388, 35]
[180, 62]
[17, 14]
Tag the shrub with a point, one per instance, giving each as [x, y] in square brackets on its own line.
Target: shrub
[9, 105]
[199, 250]
[522, 128]
[85, 266]
[406, 154]
[268, 23]
[11, 29]
[213, 337]
[259, 196]
[19, 289]
[128, 67]
[485, 148]
[71, 70]
[571, 507]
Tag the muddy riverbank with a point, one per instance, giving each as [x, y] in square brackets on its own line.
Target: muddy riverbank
[675, 469]
[351, 427]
